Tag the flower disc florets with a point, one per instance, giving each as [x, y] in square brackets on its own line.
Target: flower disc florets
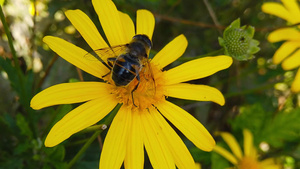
[238, 41]
[148, 92]
[248, 163]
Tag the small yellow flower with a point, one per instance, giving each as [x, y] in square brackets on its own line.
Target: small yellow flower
[248, 160]
[289, 52]
[143, 124]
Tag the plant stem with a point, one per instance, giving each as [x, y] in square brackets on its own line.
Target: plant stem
[217, 52]
[107, 121]
[83, 149]
[10, 39]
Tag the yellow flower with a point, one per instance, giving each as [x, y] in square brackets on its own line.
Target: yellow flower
[143, 124]
[289, 52]
[248, 160]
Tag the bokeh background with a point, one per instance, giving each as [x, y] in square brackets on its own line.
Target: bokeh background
[256, 91]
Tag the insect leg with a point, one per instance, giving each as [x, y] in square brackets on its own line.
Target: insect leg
[109, 65]
[111, 61]
[136, 86]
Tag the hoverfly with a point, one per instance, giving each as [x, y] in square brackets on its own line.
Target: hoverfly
[126, 61]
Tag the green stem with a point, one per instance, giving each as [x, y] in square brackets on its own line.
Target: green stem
[23, 95]
[10, 39]
[217, 52]
[107, 121]
[248, 91]
[83, 149]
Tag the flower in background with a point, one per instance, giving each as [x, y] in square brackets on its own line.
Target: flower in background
[289, 51]
[248, 159]
[141, 123]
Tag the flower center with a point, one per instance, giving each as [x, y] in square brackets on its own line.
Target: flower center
[143, 93]
[248, 163]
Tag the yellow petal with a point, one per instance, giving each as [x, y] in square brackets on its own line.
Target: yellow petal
[110, 21]
[145, 23]
[114, 147]
[86, 28]
[80, 118]
[195, 92]
[273, 167]
[67, 93]
[179, 151]
[248, 143]
[196, 69]
[171, 52]
[188, 125]
[276, 9]
[159, 155]
[293, 8]
[284, 34]
[134, 158]
[292, 62]
[198, 166]
[75, 56]
[226, 154]
[233, 144]
[267, 162]
[128, 26]
[296, 83]
[285, 50]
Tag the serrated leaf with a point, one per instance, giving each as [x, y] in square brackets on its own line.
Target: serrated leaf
[11, 73]
[21, 83]
[283, 127]
[23, 125]
[251, 117]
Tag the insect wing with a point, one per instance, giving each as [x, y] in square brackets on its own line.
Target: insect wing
[95, 54]
[111, 52]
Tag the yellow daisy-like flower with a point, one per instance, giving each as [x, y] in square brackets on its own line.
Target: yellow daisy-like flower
[248, 160]
[141, 123]
[289, 51]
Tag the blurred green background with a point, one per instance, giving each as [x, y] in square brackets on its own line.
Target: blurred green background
[256, 91]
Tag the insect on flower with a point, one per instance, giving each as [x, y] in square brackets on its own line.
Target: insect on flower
[125, 62]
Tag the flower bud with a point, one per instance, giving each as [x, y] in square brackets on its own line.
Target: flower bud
[237, 41]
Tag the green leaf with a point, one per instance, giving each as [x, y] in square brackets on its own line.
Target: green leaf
[56, 153]
[23, 126]
[251, 117]
[283, 127]
[6, 65]
[218, 162]
[21, 83]
[235, 24]
[200, 156]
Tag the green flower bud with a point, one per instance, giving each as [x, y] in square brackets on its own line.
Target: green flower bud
[237, 41]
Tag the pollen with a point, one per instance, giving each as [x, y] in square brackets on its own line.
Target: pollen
[149, 90]
[248, 163]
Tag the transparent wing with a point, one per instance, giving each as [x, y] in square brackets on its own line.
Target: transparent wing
[103, 54]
